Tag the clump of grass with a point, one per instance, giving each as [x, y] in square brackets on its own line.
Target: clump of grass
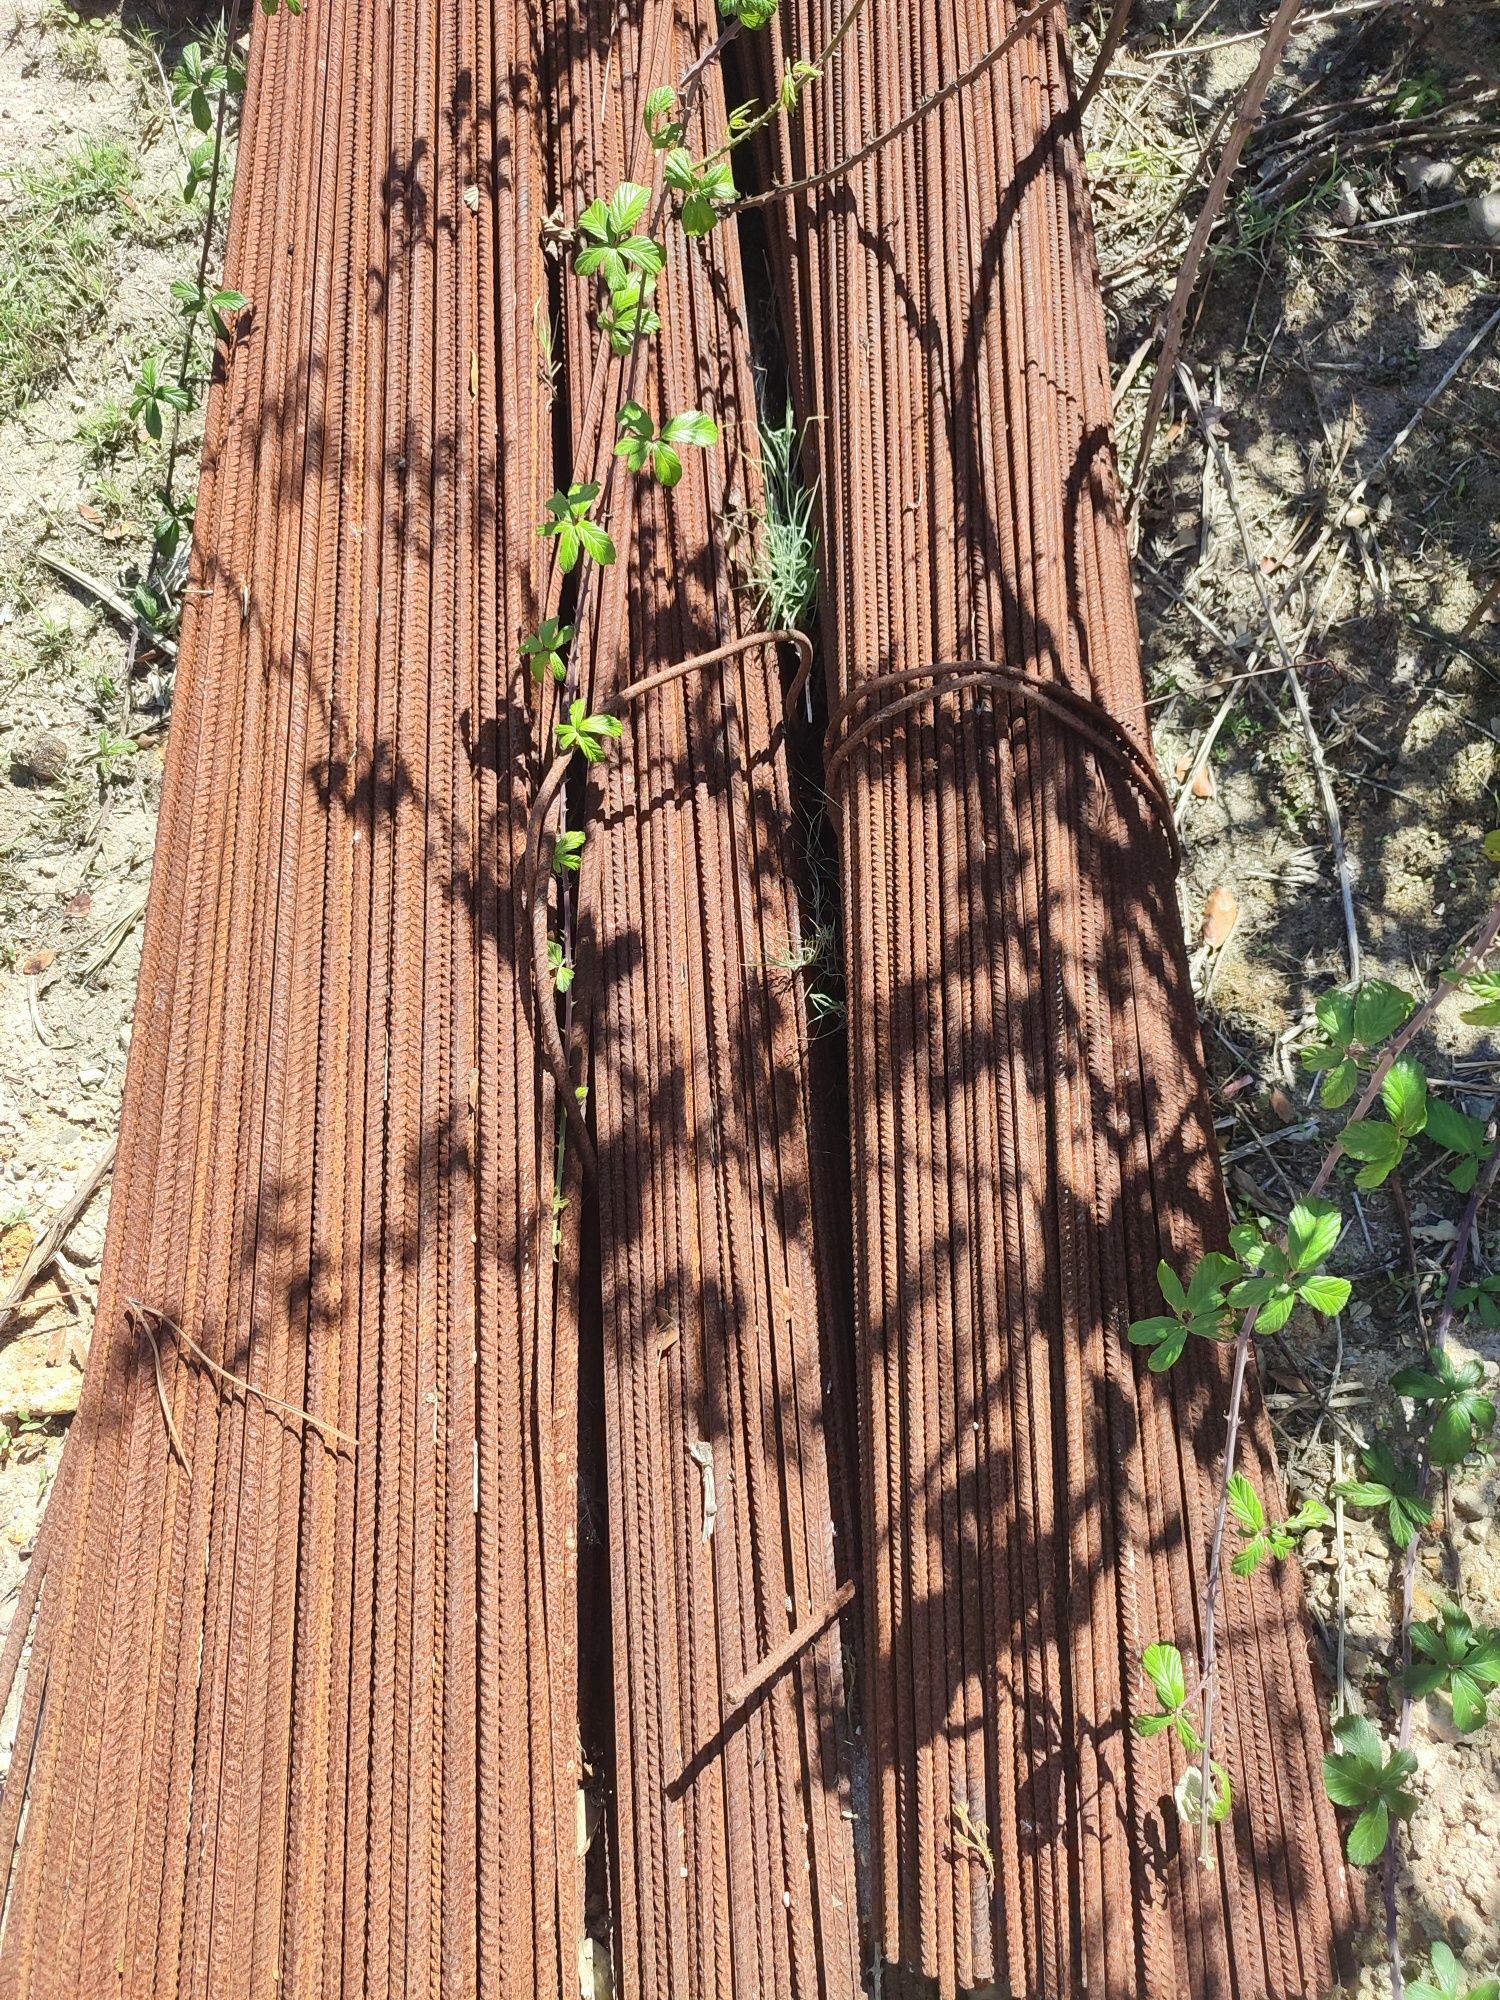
[75, 43]
[107, 431]
[56, 225]
[784, 570]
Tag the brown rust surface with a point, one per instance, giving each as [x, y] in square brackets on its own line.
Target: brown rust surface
[1030, 1121]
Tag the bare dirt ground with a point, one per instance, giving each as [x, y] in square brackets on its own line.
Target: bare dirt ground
[1351, 273]
[93, 230]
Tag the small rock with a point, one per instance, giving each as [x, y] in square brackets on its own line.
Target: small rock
[1425, 176]
[45, 757]
[30, 1385]
[1484, 213]
[123, 1036]
[90, 1076]
[1348, 205]
[81, 1114]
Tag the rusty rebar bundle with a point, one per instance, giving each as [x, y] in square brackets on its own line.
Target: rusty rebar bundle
[720, 1310]
[300, 1714]
[1030, 1121]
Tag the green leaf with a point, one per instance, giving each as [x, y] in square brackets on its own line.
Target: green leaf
[1369, 1833]
[666, 464]
[1277, 1310]
[1206, 1286]
[1404, 1094]
[751, 14]
[661, 128]
[1325, 1295]
[567, 851]
[1251, 1556]
[1335, 1012]
[596, 542]
[1163, 1668]
[1312, 1231]
[1455, 1131]
[1339, 1084]
[1378, 1145]
[626, 206]
[1151, 1725]
[1470, 1707]
[1455, 1429]
[1379, 1011]
[1168, 1350]
[1172, 1288]
[1245, 1504]
[691, 427]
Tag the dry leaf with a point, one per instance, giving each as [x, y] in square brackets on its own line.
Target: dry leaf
[37, 962]
[1220, 915]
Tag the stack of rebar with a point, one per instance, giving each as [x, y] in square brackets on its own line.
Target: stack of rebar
[1030, 1122]
[300, 1669]
[736, 1860]
[300, 1710]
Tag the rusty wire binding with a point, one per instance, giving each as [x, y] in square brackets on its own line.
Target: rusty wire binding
[1031, 1125]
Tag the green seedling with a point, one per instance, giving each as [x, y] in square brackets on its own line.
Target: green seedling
[589, 735]
[644, 449]
[573, 531]
[545, 648]
[1449, 1980]
[1361, 1776]
[1450, 1395]
[706, 188]
[613, 245]
[1273, 1539]
[1391, 1484]
[1458, 1660]
[1354, 1027]
[153, 393]
[630, 315]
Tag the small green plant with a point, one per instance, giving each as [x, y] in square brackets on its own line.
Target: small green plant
[1262, 1276]
[1449, 1980]
[1459, 1660]
[1200, 1307]
[614, 246]
[1354, 1026]
[545, 647]
[589, 735]
[567, 851]
[706, 189]
[218, 305]
[557, 960]
[630, 316]
[1371, 1784]
[575, 534]
[644, 448]
[199, 78]
[751, 14]
[1273, 1539]
[1163, 1668]
[1451, 1397]
[154, 393]
[111, 753]
[107, 431]
[784, 570]
[1390, 1484]
[1162, 1665]
[1483, 1300]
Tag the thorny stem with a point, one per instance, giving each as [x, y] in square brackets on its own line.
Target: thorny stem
[1468, 1228]
[1478, 952]
[231, 32]
[689, 90]
[837, 171]
[767, 117]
